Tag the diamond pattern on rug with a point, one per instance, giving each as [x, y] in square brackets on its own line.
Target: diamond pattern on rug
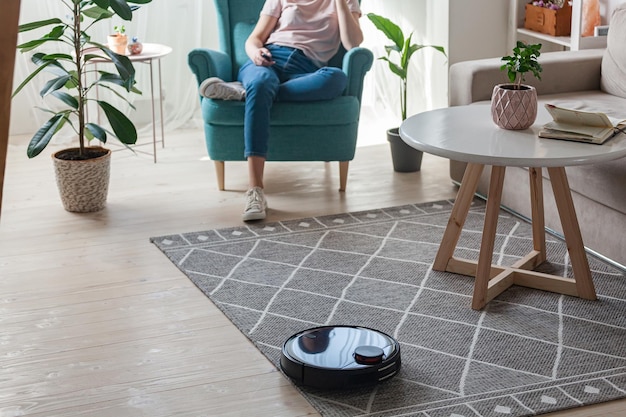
[528, 352]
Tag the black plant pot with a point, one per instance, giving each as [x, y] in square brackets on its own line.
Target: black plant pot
[404, 157]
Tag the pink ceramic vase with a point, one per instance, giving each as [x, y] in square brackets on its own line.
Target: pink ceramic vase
[514, 109]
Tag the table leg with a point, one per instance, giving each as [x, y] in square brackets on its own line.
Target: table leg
[538, 224]
[484, 269]
[161, 106]
[153, 112]
[571, 232]
[457, 217]
[537, 213]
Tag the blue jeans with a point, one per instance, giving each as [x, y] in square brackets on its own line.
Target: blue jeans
[293, 77]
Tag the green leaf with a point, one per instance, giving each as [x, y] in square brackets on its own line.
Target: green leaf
[121, 125]
[56, 57]
[104, 4]
[96, 131]
[54, 84]
[390, 29]
[124, 68]
[122, 9]
[98, 13]
[66, 98]
[117, 93]
[36, 25]
[42, 137]
[31, 76]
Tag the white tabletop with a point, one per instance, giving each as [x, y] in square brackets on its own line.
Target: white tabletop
[468, 134]
[150, 51]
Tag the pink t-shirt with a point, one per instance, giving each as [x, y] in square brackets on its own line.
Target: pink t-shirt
[309, 25]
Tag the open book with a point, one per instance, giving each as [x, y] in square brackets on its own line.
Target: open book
[581, 126]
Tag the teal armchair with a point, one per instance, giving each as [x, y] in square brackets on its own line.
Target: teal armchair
[299, 131]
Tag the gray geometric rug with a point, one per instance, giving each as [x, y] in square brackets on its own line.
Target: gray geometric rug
[528, 352]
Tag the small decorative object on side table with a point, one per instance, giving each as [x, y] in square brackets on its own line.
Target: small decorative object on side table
[118, 40]
[135, 47]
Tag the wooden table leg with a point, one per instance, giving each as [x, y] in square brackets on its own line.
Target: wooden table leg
[538, 224]
[457, 218]
[484, 270]
[571, 231]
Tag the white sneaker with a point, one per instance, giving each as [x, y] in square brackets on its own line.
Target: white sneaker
[218, 89]
[256, 204]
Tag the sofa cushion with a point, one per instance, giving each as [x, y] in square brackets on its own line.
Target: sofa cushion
[613, 79]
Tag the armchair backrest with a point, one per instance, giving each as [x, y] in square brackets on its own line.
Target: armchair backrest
[235, 21]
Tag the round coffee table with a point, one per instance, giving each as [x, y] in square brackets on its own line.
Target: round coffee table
[468, 134]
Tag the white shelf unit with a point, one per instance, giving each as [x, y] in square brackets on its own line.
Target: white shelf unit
[573, 42]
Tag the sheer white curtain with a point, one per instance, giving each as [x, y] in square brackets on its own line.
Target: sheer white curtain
[181, 24]
[186, 24]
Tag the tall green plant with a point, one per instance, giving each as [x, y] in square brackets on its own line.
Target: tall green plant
[69, 72]
[522, 60]
[404, 48]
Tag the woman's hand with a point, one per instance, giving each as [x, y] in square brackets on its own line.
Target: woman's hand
[263, 58]
[255, 43]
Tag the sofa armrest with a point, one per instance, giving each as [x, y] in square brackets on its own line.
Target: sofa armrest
[563, 72]
[356, 63]
[206, 63]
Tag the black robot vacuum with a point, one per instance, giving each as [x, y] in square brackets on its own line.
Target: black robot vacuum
[332, 357]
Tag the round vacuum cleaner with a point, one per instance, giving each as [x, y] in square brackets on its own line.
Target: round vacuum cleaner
[332, 357]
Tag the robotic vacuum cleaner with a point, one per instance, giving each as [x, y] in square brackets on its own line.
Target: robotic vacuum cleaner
[332, 357]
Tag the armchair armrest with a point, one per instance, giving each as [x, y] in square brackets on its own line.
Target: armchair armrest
[356, 63]
[563, 72]
[205, 63]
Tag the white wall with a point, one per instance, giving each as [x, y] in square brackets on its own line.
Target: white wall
[478, 29]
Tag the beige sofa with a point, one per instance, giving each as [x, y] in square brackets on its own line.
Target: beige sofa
[588, 80]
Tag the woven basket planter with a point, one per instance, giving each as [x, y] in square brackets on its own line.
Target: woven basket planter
[83, 184]
[514, 109]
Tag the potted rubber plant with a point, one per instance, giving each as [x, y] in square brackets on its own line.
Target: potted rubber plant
[514, 104]
[82, 172]
[405, 158]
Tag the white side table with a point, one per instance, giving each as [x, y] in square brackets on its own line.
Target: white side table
[468, 134]
[151, 52]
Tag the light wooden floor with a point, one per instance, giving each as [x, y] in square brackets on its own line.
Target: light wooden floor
[97, 322]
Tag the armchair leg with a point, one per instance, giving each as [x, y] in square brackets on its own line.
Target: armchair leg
[219, 170]
[343, 175]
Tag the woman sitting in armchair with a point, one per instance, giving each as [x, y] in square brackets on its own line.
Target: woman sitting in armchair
[288, 49]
